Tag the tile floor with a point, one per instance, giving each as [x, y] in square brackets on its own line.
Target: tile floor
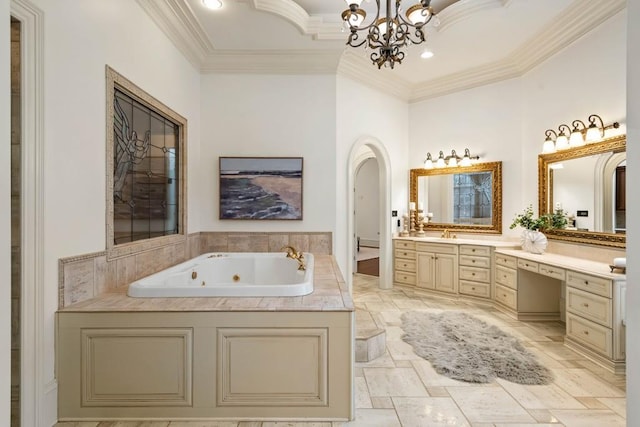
[401, 389]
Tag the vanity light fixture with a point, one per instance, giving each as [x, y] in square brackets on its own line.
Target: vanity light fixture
[428, 162]
[452, 160]
[562, 142]
[577, 139]
[549, 145]
[580, 135]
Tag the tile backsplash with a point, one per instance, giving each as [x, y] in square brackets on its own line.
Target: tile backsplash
[86, 276]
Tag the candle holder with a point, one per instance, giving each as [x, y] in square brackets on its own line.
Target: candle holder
[420, 232]
[405, 226]
[412, 221]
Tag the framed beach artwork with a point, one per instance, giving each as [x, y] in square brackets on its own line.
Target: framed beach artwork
[261, 188]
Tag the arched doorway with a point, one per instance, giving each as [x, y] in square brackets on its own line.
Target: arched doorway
[384, 209]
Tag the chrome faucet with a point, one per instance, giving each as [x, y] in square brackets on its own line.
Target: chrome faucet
[293, 253]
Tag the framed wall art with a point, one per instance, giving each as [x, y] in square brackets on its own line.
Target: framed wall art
[261, 188]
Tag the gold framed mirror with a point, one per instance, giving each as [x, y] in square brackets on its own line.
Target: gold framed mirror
[588, 183]
[467, 199]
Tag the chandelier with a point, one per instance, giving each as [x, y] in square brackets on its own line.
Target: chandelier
[388, 34]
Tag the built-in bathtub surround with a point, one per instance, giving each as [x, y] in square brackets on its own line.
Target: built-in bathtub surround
[87, 276]
[171, 358]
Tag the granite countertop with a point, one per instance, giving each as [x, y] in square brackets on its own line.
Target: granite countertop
[595, 268]
[330, 293]
[462, 241]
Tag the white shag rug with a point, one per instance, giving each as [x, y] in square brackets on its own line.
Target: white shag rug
[466, 348]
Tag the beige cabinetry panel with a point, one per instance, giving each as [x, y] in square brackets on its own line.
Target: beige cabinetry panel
[252, 363]
[404, 262]
[437, 266]
[174, 365]
[507, 297]
[475, 270]
[136, 367]
[594, 324]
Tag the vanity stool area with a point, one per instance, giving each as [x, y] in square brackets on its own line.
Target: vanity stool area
[584, 294]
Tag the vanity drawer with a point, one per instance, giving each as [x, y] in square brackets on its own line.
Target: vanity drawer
[405, 277]
[404, 244]
[474, 288]
[405, 254]
[474, 273]
[475, 261]
[597, 285]
[475, 250]
[405, 264]
[528, 265]
[506, 296]
[507, 277]
[593, 307]
[506, 260]
[590, 334]
[436, 248]
[552, 271]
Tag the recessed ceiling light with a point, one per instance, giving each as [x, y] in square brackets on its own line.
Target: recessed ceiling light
[426, 54]
[212, 4]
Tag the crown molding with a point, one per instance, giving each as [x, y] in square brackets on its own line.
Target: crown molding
[577, 20]
[272, 62]
[176, 19]
[359, 69]
[467, 79]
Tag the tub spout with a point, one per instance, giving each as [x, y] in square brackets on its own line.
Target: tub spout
[293, 253]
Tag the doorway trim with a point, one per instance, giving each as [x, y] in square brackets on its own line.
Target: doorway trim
[384, 173]
[34, 391]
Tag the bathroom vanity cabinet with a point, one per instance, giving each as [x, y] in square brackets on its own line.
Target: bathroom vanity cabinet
[529, 287]
[437, 267]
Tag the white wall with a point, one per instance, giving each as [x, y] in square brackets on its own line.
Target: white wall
[5, 217]
[488, 121]
[361, 112]
[367, 203]
[81, 37]
[633, 211]
[252, 115]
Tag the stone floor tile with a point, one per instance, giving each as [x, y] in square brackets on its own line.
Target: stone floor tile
[489, 404]
[589, 418]
[429, 411]
[363, 400]
[541, 396]
[616, 404]
[388, 382]
[582, 383]
[382, 402]
[374, 418]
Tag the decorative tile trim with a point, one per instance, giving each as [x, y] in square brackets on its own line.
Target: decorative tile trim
[86, 276]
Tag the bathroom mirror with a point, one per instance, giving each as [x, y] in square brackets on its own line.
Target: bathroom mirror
[467, 199]
[588, 183]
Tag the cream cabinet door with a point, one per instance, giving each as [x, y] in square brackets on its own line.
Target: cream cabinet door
[446, 269]
[426, 270]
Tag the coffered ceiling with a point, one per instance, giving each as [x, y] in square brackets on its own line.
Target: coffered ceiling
[476, 42]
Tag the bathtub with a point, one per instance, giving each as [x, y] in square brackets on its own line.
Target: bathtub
[229, 275]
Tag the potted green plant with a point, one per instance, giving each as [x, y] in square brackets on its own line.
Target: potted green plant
[533, 239]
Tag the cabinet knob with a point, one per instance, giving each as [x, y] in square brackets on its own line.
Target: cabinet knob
[473, 289]
[473, 261]
[585, 305]
[586, 282]
[473, 274]
[586, 332]
[473, 250]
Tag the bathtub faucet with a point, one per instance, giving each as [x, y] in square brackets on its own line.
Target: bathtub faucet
[293, 253]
